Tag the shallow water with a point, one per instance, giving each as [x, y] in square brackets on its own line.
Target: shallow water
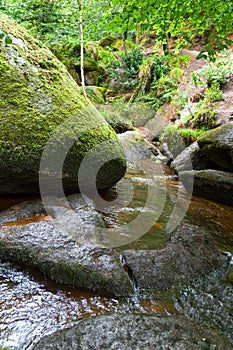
[32, 306]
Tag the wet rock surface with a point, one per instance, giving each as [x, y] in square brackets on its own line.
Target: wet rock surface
[65, 249]
[189, 253]
[209, 300]
[211, 184]
[134, 331]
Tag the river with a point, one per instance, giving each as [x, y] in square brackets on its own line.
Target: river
[32, 306]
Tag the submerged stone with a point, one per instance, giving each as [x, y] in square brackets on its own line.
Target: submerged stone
[40, 104]
[134, 331]
[65, 248]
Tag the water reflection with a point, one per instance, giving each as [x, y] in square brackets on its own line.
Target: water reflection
[29, 310]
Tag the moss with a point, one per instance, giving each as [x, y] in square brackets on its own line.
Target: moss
[37, 95]
[96, 94]
[73, 273]
[215, 134]
[89, 64]
[107, 41]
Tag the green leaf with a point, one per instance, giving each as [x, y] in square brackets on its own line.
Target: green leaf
[228, 42]
[8, 40]
[222, 47]
[2, 34]
[202, 55]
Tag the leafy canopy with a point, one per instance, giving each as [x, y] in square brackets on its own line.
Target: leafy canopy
[57, 20]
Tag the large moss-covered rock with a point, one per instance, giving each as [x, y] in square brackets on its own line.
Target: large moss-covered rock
[217, 144]
[37, 95]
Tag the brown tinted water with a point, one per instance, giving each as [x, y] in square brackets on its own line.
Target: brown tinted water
[32, 306]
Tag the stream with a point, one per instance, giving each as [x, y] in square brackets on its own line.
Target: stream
[32, 306]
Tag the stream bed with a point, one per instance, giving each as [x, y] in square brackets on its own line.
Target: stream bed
[32, 306]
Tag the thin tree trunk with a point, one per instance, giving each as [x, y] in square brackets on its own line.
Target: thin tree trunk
[124, 37]
[138, 32]
[81, 48]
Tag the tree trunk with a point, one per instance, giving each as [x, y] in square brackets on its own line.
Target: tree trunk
[81, 48]
[124, 37]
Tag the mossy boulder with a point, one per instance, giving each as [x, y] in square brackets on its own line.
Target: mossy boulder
[96, 94]
[217, 144]
[89, 64]
[136, 147]
[230, 276]
[37, 97]
[107, 41]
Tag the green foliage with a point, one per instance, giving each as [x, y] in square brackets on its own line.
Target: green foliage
[218, 72]
[152, 71]
[5, 37]
[166, 76]
[179, 138]
[212, 77]
[204, 118]
[190, 135]
[161, 68]
[150, 100]
[175, 19]
[214, 93]
[55, 22]
[108, 58]
[181, 98]
[132, 60]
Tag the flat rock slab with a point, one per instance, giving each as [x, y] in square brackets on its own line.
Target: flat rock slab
[134, 332]
[188, 254]
[212, 184]
[63, 249]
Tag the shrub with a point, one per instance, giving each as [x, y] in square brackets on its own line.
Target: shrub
[132, 60]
